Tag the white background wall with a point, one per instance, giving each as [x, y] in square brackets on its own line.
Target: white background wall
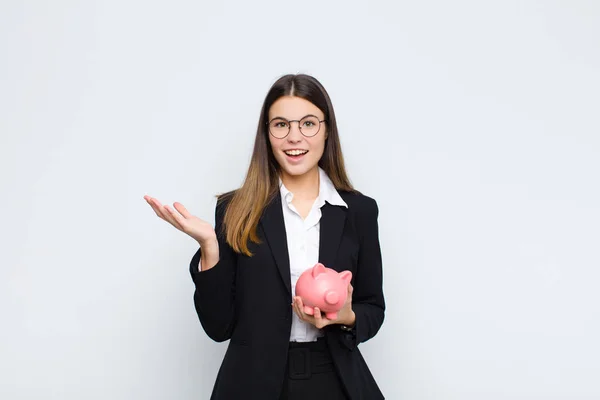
[474, 124]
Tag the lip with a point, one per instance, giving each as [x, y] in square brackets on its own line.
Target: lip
[295, 159]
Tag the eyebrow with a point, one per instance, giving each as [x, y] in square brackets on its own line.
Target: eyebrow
[307, 115]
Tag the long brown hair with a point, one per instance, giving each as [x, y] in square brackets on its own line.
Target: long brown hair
[262, 179]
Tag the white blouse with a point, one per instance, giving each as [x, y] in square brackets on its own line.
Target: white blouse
[303, 244]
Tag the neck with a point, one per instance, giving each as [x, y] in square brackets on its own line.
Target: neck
[304, 186]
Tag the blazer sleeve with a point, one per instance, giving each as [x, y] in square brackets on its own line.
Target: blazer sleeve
[368, 300]
[214, 295]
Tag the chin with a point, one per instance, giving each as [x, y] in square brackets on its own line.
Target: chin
[298, 170]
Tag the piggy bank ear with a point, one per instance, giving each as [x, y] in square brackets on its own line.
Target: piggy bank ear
[318, 269]
[346, 276]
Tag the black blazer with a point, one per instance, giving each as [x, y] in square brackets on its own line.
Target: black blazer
[248, 300]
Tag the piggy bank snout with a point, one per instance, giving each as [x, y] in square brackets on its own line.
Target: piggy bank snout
[332, 297]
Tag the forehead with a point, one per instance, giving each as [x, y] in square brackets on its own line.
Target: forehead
[292, 107]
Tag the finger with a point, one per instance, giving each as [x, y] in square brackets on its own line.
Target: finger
[300, 304]
[171, 216]
[161, 211]
[295, 306]
[317, 315]
[182, 210]
[156, 206]
[176, 216]
[320, 322]
[153, 201]
[294, 309]
[305, 317]
[299, 310]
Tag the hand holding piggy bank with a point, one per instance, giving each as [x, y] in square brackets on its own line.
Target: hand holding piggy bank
[324, 288]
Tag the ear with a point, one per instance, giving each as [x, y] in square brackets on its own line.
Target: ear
[346, 276]
[318, 269]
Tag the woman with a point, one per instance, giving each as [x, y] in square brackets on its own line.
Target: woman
[295, 208]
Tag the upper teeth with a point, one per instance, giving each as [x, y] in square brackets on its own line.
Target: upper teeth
[295, 152]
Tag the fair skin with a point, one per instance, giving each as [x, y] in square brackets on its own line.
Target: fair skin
[299, 175]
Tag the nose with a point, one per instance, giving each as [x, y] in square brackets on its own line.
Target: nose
[295, 135]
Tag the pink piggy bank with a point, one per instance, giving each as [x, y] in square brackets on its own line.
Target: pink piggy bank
[324, 288]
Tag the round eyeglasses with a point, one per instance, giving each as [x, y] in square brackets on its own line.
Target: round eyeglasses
[309, 126]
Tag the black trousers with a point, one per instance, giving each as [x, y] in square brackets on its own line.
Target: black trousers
[310, 373]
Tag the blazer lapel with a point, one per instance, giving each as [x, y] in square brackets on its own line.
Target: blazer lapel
[332, 223]
[333, 219]
[274, 228]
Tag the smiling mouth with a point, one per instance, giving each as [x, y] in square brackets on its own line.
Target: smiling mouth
[295, 153]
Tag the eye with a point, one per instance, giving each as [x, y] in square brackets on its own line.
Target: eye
[279, 124]
[309, 124]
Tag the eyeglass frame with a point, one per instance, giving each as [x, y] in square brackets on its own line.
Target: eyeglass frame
[268, 123]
